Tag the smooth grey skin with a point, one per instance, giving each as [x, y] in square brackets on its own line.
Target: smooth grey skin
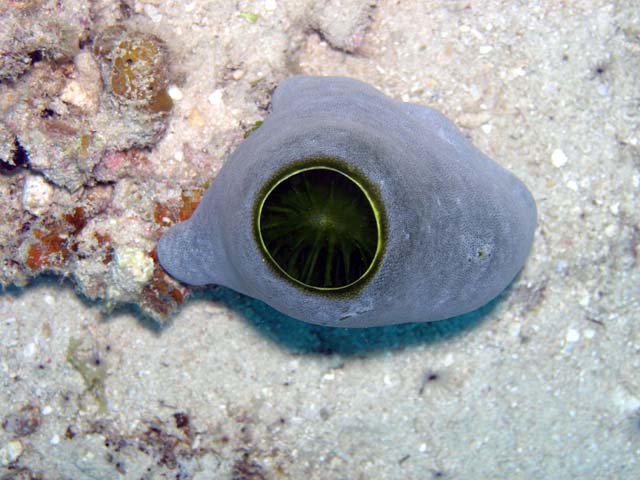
[459, 225]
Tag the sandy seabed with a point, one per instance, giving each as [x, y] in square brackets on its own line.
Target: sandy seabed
[542, 383]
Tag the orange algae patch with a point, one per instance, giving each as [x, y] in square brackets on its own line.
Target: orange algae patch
[76, 219]
[137, 68]
[166, 215]
[85, 141]
[163, 294]
[54, 245]
[50, 251]
[138, 73]
[104, 241]
[163, 215]
[189, 203]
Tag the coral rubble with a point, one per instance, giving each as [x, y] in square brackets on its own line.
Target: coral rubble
[73, 125]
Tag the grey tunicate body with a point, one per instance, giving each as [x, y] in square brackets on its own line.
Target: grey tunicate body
[458, 226]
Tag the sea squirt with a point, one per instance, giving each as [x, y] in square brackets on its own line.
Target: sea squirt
[348, 208]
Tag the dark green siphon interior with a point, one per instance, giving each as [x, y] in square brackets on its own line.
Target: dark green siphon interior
[320, 226]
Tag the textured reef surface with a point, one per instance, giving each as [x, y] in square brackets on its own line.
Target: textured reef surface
[97, 164]
[87, 89]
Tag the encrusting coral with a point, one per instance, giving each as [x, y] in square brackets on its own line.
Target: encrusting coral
[71, 125]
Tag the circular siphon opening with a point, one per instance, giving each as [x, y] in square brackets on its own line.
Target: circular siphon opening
[320, 228]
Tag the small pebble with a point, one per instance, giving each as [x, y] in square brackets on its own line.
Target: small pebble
[485, 49]
[329, 376]
[10, 452]
[175, 93]
[515, 329]
[196, 119]
[132, 268]
[37, 194]
[615, 208]
[558, 158]
[476, 34]
[55, 440]
[486, 128]
[75, 94]
[611, 231]
[216, 97]
[29, 350]
[46, 410]
[573, 335]
[153, 13]
[585, 182]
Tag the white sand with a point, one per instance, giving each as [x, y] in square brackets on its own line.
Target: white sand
[542, 385]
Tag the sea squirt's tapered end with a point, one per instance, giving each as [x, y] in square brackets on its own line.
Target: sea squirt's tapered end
[184, 254]
[173, 254]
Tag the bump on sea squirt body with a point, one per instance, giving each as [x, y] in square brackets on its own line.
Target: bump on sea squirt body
[347, 208]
